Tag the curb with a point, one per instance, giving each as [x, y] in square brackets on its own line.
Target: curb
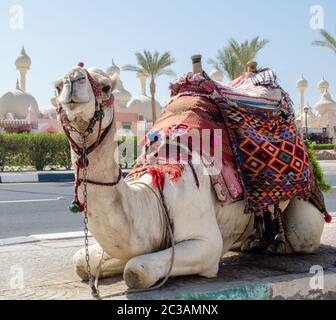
[36, 177]
[40, 177]
[42, 237]
[287, 287]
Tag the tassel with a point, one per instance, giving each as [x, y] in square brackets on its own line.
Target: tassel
[158, 178]
[76, 207]
[328, 218]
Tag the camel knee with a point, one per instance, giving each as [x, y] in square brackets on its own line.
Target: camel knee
[80, 263]
[304, 227]
[141, 273]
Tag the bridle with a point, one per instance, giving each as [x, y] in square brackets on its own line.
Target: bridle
[84, 151]
[82, 162]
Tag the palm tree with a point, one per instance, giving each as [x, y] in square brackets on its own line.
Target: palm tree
[233, 59]
[328, 42]
[227, 62]
[152, 66]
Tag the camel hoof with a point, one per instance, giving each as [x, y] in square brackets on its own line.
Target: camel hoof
[280, 248]
[134, 279]
[253, 246]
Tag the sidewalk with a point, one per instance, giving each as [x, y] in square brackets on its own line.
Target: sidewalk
[48, 274]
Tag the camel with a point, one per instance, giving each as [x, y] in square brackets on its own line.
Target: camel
[127, 219]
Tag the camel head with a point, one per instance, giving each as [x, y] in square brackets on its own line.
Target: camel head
[80, 91]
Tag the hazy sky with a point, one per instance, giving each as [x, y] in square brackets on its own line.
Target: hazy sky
[58, 34]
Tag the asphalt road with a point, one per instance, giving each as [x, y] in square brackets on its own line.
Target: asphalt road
[28, 209]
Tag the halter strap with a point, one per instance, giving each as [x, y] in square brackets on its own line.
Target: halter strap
[101, 137]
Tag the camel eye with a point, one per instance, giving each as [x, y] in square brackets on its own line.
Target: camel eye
[106, 89]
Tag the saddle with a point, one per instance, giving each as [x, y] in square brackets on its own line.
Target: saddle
[262, 160]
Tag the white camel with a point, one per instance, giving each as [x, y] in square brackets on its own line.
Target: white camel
[128, 222]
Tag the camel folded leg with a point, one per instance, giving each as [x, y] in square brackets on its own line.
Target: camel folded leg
[304, 225]
[193, 257]
[109, 266]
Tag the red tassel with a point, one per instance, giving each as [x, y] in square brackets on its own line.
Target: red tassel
[81, 206]
[328, 218]
[158, 178]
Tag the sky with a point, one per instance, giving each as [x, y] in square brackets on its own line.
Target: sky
[59, 34]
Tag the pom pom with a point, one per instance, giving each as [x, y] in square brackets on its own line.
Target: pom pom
[328, 218]
[76, 207]
[153, 135]
[99, 115]
[81, 64]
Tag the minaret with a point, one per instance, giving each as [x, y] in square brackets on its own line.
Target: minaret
[323, 85]
[143, 80]
[23, 64]
[302, 85]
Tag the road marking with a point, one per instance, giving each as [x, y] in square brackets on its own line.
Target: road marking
[30, 201]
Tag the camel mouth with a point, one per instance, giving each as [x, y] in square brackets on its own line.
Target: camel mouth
[73, 105]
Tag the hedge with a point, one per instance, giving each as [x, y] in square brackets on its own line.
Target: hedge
[38, 150]
[41, 150]
[323, 184]
[319, 147]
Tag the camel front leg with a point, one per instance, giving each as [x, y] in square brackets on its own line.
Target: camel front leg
[193, 257]
[110, 267]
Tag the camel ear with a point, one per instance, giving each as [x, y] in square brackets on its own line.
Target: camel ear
[59, 86]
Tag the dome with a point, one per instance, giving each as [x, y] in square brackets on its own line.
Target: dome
[17, 102]
[302, 83]
[326, 104]
[310, 115]
[113, 69]
[217, 75]
[50, 113]
[323, 85]
[121, 95]
[143, 107]
[23, 61]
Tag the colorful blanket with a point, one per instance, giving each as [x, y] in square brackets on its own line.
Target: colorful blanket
[191, 124]
[258, 136]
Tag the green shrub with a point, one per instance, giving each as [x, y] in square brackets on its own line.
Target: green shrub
[324, 146]
[35, 150]
[322, 183]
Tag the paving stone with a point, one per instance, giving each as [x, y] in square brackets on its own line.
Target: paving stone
[48, 272]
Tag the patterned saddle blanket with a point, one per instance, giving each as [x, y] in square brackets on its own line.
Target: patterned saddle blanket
[261, 159]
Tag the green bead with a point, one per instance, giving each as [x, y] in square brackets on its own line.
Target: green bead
[100, 115]
[74, 208]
